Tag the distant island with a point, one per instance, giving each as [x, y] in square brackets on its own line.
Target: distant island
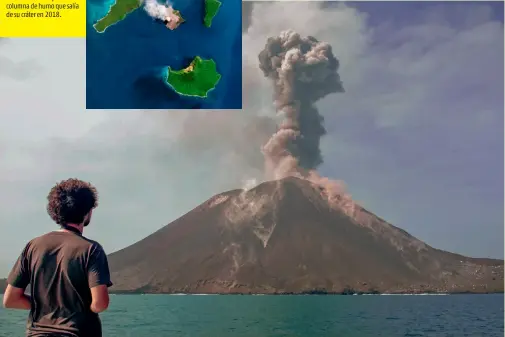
[117, 12]
[211, 9]
[197, 79]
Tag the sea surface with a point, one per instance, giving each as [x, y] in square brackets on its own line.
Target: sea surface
[293, 316]
[124, 65]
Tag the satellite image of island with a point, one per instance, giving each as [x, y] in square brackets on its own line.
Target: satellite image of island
[151, 54]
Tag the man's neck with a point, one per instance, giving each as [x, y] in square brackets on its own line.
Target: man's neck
[73, 228]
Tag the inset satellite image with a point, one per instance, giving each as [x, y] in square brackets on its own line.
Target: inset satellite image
[150, 54]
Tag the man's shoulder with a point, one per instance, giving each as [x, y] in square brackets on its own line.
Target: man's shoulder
[57, 237]
[93, 243]
[94, 246]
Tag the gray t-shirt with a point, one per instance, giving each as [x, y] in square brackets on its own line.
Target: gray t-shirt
[60, 268]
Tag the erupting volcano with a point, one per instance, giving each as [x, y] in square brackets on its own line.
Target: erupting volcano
[297, 232]
[284, 237]
[302, 71]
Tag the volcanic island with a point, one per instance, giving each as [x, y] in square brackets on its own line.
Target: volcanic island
[211, 8]
[121, 8]
[195, 80]
[173, 18]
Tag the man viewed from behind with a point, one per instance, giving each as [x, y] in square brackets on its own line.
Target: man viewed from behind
[68, 274]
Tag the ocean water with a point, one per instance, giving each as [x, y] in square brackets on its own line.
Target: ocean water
[125, 63]
[293, 316]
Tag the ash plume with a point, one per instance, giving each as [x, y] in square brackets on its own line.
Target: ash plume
[155, 9]
[303, 70]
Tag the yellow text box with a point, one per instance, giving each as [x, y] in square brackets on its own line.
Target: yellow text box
[42, 18]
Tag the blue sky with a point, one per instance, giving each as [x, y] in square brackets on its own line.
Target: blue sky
[417, 137]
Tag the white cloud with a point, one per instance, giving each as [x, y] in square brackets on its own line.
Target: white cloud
[44, 94]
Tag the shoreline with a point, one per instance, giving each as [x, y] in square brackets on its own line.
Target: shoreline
[286, 295]
[112, 3]
[166, 74]
[186, 95]
[302, 293]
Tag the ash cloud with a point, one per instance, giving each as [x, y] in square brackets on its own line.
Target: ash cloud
[303, 70]
[155, 9]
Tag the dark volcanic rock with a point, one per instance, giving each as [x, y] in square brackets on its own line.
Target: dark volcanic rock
[282, 237]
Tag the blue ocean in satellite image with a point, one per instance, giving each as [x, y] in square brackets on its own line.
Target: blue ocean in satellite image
[128, 56]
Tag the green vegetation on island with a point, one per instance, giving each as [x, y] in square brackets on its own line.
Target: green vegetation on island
[197, 79]
[211, 9]
[117, 12]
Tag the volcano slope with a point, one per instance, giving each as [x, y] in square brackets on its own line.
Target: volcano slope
[283, 237]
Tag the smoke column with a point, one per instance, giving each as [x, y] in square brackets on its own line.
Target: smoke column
[155, 9]
[302, 70]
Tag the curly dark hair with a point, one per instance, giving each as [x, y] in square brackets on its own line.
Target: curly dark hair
[70, 200]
